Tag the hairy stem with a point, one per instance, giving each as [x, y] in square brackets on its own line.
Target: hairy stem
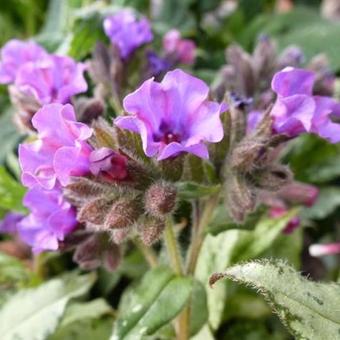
[198, 234]
[148, 253]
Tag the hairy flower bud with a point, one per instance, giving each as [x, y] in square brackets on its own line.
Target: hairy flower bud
[151, 230]
[172, 168]
[160, 199]
[97, 251]
[120, 235]
[241, 61]
[94, 211]
[273, 177]
[241, 197]
[300, 193]
[123, 213]
[88, 109]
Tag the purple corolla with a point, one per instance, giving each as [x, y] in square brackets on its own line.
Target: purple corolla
[173, 116]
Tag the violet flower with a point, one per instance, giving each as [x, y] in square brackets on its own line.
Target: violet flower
[173, 116]
[296, 110]
[55, 81]
[156, 65]
[183, 50]
[108, 164]
[50, 220]
[127, 32]
[17, 53]
[61, 150]
[8, 225]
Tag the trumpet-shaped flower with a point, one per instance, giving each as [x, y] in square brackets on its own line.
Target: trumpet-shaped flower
[127, 32]
[54, 81]
[51, 218]
[173, 116]
[15, 54]
[59, 152]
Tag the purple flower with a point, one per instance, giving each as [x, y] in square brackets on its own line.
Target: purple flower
[9, 223]
[173, 116]
[50, 220]
[60, 150]
[184, 50]
[54, 81]
[108, 164]
[17, 53]
[127, 32]
[296, 110]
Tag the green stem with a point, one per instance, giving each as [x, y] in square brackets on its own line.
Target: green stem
[148, 252]
[172, 246]
[198, 234]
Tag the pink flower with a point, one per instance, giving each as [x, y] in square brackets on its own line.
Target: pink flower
[183, 50]
[54, 81]
[59, 152]
[173, 116]
[324, 249]
[294, 222]
[15, 54]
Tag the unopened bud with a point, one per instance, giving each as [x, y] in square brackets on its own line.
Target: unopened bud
[118, 236]
[241, 197]
[87, 254]
[82, 189]
[242, 64]
[94, 211]
[224, 82]
[104, 134]
[273, 177]
[123, 213]
[151, 230]
[160, 199]
[88, 109]
[301, 193]
[291, 56]
[172, 168]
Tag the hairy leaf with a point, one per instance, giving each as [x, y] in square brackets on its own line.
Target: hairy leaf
[310, 310]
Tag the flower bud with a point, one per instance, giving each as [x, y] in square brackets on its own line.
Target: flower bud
[151, 230]
[224, 82]
[172, 168]
[241, 197]
[293, 223]
[273, 178]
[104, 134]
[324, 249]
[88, 109]
[120, 235]
[97, 251]
[241, 61]
[94, 211]
[300, 193]
[160, 199]
[291, 56]
[108, 164]
[123, 213]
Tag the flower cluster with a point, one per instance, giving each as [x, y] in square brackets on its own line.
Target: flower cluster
[37, 78]
[47, 164]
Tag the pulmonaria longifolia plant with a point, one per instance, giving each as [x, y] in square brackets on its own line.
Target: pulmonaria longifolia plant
[112, 168]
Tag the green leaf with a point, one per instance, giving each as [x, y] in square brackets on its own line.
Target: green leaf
[198, 307]
[310, 310]
[204, 334]
[85, 320]
[85, 310]
[154, 303]
[192, 190]
[11, 192]
[37, 311]
[229, 247]
[86, 329]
